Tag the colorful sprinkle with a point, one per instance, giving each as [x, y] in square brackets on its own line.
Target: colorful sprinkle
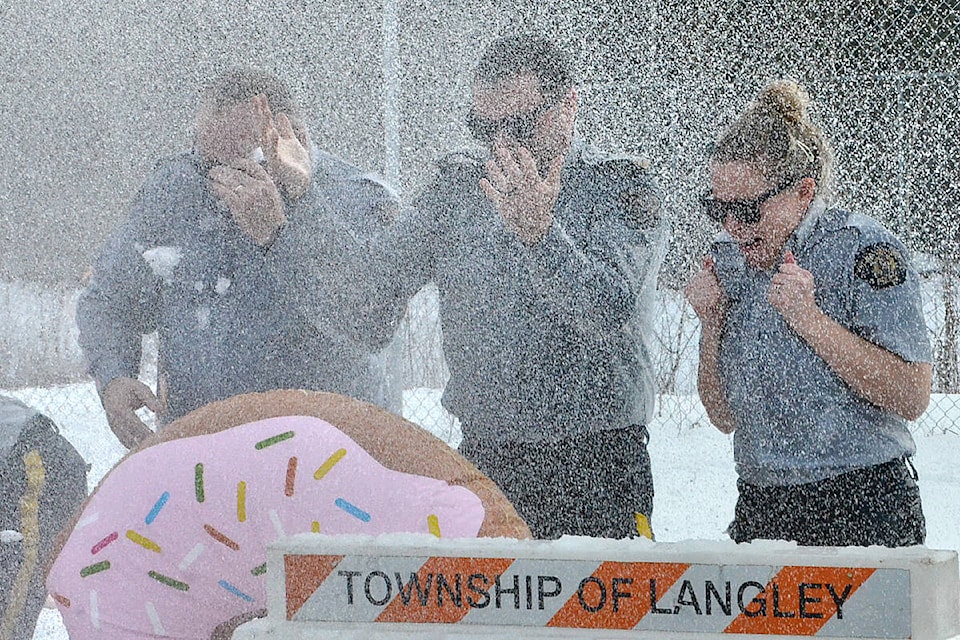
[269, 442]
[232, 589]
[97, 548]
[222, 539]
[94, 610]
[191, 557]
[64, 600]
[146, 543]
[94, 568]
[352, 510]
[433, 524]
[291, 477]
[241, 501]
[259, 571]
[277, 525]
[198, 481]
[156, 507]
[170, 582]
[155, 620]
[329, 464]
[315, 527]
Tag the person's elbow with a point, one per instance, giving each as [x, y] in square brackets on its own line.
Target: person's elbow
[916, 391]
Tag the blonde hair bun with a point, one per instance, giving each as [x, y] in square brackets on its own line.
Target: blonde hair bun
[787, 99]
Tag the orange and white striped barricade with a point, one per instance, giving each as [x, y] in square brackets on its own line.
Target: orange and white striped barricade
[405, 586]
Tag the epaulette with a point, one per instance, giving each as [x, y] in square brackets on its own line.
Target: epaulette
[461, 165]
[460, 158]
[617, 162]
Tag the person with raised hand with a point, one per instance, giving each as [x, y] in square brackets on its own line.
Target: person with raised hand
[813, 347]
[212, 254]
[545, 252]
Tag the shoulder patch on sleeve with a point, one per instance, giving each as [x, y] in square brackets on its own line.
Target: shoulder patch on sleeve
[881, 265]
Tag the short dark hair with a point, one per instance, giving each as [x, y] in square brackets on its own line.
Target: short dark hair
[241, 84]
[511, 56]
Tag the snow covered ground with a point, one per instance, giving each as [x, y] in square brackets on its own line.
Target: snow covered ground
[692, 466]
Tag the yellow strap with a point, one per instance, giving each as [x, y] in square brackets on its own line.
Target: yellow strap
[643, 526]
[30, 528]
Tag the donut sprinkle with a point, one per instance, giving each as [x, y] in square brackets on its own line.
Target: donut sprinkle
[100, 546]
[277, 525]
[155, 511]
[241, 501]
[329, 464]
[94, 610]
[168, 581]
[222, 539]
[198, 482]
[144, 542]
[232, 589]
[94, 568]
[155, 620]
[191, 556]
[269, 442]
[291, 477]
[353, 510]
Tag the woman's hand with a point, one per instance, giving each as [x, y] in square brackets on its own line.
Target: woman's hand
[705, 295]
[792, 293]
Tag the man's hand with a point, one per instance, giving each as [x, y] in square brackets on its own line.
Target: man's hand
[523, 197]
[704, 294]
[792, 294]
[288, 160]
[121, 398]
[252, 196]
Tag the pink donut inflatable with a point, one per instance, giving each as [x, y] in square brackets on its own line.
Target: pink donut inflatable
[173, 541]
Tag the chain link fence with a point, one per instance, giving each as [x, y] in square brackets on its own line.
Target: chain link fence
[884, 81]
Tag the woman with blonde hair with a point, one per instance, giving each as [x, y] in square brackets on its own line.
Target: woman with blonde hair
[813, 350]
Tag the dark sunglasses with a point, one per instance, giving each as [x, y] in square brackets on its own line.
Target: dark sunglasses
[746, 211]
[520, 127]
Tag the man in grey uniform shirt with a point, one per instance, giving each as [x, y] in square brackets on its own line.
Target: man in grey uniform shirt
[212, 257]
[545, 253]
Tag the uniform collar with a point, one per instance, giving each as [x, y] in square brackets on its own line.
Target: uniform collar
[805, 229]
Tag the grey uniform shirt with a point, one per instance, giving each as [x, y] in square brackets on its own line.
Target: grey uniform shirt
[234, 317]
[796, 420]
[545, 341]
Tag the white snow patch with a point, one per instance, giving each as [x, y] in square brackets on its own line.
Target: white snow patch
[163, 260]
[222, 285]
[203, 317]
[198, 286]
[9, 535]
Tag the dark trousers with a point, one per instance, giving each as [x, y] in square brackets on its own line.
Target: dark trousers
[877, 505]
[590, 485]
